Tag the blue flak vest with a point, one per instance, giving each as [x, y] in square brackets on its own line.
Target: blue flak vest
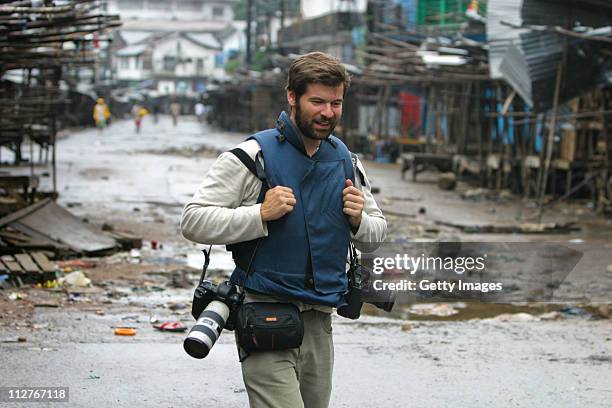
[304, 255]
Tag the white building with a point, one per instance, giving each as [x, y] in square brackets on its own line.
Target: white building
[154, 12]
[317, 8]
[174, 46]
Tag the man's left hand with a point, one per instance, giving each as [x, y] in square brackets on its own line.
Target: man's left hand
[353, 203]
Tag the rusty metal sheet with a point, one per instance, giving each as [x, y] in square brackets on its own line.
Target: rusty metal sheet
[59, 225]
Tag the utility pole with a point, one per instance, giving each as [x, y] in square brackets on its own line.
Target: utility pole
[249, 17]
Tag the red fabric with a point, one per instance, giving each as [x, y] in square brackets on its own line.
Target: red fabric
[411, 114]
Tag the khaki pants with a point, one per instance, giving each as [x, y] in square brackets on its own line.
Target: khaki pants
[294, 378]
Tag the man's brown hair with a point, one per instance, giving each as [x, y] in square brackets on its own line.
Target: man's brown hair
[316, 68]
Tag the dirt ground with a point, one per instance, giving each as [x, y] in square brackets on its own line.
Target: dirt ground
[537, 354]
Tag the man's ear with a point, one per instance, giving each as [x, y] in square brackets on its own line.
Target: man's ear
[291, 98]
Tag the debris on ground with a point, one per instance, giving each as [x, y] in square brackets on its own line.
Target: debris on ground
[574, 312]
[514, 317]
[45, 224]
[550, 316]
[171, 326]
[76, 279]
[176, 306]
[436, 309]
[125, 331]
[135, 256]
[447, 181]
[524, 228]
[126, 240]
[77, 263]
[17, 296]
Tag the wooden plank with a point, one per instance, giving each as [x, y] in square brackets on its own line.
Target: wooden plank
[11, 264]
[27, 263]
[43, 262]
[15, 236]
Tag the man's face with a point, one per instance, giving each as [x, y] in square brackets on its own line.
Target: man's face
[318, 110]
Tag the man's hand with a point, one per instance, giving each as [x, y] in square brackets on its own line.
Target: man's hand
[278, 202]
[353, 203]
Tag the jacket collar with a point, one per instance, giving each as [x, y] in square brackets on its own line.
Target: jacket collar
[288, 131]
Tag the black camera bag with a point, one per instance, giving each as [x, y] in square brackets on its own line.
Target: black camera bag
[267, 326]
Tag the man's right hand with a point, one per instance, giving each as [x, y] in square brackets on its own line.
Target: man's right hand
[278, 202]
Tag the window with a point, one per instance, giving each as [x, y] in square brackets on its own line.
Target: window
[199, 65]
[163, 5]
[189, 5]
[218, 11]
[124, 63]
[169, 63]
[130, 4]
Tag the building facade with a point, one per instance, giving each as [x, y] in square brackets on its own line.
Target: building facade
[173, 46]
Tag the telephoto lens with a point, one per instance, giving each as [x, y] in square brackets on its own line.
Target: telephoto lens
[207, 329]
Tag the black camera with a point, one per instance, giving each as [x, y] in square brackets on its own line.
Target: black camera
[214, 308]
[361, 290]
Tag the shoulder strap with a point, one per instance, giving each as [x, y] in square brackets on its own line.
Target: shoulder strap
[254, 166]
[245, 159]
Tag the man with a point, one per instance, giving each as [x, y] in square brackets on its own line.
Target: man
[199, 111]
[313, 205]
[175, 111]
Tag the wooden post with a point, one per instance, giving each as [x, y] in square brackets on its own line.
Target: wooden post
[550, 141]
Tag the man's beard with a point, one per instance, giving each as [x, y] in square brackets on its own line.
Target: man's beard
[307, 127]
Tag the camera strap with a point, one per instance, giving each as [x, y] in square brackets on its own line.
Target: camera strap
[206, 262]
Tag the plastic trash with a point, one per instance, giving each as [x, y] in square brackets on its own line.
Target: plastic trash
[77, 279]
[125, 331]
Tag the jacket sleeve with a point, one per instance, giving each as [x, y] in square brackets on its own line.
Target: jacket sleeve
[224, 210]
[373, 228]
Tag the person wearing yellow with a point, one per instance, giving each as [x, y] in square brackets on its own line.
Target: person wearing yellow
[138, 112]
[101, 114]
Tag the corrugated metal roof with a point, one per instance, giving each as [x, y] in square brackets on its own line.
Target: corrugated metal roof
[528, 60]
[530, 67]
[132, 50]
[204, 39]
[500, 36]
[132, 37]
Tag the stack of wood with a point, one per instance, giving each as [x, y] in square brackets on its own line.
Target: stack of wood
[39, 41]
[26, 268]
[389, 60]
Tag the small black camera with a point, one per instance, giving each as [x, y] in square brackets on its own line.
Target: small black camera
[361, 290]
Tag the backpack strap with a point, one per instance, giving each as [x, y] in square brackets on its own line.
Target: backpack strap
[254, 166]
[256, 169]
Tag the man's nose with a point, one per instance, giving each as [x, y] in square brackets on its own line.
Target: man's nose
[327, 111]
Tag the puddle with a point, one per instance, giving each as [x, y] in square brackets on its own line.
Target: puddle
[475, 310]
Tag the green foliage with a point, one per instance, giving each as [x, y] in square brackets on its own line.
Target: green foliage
[232, 65]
